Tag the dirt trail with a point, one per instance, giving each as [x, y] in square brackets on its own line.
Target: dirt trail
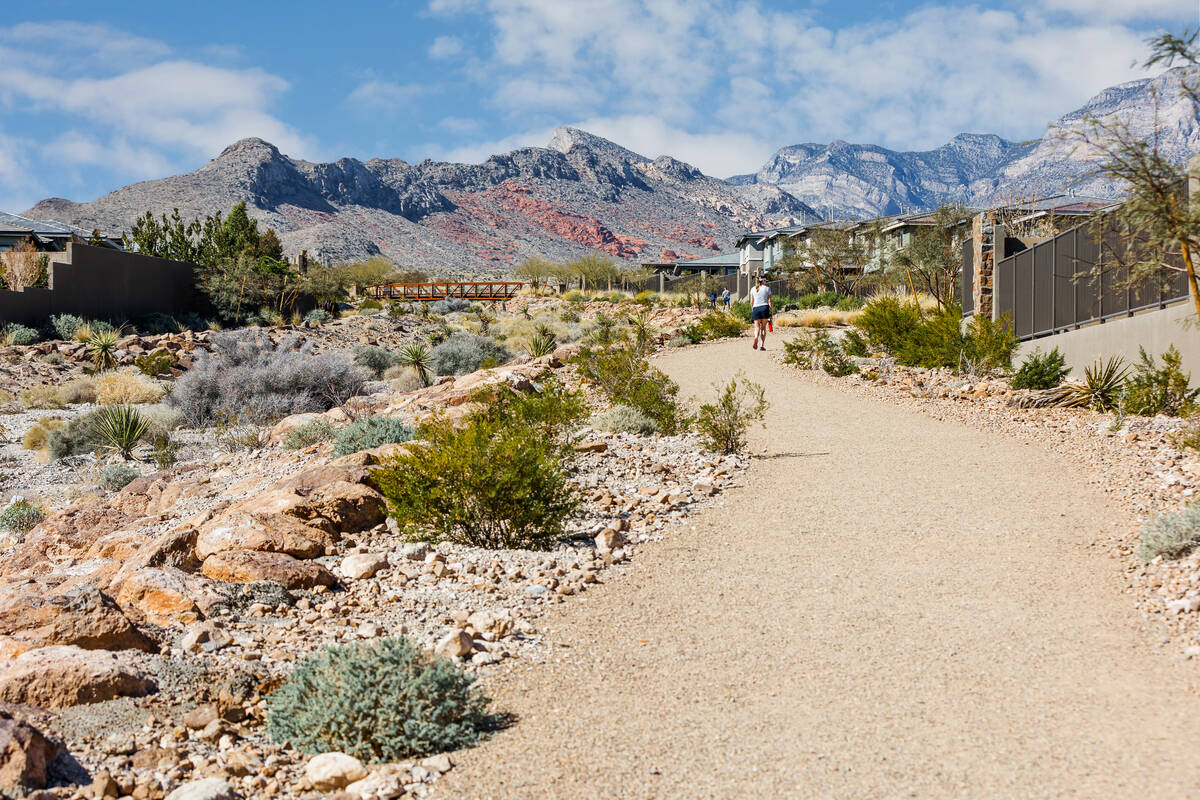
[891, 606]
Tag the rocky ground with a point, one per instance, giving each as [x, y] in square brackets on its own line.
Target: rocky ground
[141, 629]
[1131, 458]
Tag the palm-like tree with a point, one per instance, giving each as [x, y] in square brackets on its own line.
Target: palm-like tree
[416, 357]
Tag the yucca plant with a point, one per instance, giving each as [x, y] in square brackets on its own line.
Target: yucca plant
[120, 428]
[643, 333]
[1100, 389]
[101, 346]
[541, 345]
[417, 358]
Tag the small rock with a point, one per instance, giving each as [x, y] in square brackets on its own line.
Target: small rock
[362, 565]
[331, 771]
[200, 717]
[535, 590]
[204, 637]
[368, 630]
[608, 540]
[440, 764]
[455, 644]
[414, 551]
[206, 789]
[1184, 605]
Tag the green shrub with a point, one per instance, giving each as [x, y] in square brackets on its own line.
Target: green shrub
[645, 298]
[117, 476]
[1101, 388]
[487, 483]
[816, 349]
[1041, 370]
[724, 424]
[164, 452]
[855, 344]
[848, 304]
[120, 428]
[1172, 534]
[816, 300]
[551, 408]
[318, 316]
[17, 334]
[376, 359]
[369, 432]
[1153, 390]
[308, 434]
[81, 436]
[937, 339]
[370, 304]
[416, 357]
[988, 344]
[888, 322]
[742, 310]
[65, 325]
[541, 345]
[713, 325]
[102, 348]
[627, 377]
[624, 419]
[379, 701]
[463, 353]
[54, 359]
[154, 364]
[20, 517]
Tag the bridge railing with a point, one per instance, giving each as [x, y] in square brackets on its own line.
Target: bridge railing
[442, 290]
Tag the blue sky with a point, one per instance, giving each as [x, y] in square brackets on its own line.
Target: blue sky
[98, 95]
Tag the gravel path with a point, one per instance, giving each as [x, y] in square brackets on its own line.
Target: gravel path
[889, 606]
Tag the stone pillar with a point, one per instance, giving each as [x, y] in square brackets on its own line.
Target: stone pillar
[1194, 179]
[984, 258]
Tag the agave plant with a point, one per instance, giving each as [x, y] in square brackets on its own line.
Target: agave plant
[541, 345]
[417, 358]
[1100, 388]
[102, 346]
[121, 428]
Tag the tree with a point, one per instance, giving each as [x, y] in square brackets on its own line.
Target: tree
[932, 259]
[592, 268]
[1158, 220]
[534, 271]
[96, 240]
[22, 266]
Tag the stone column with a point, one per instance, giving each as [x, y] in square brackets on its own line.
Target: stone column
[983, 256]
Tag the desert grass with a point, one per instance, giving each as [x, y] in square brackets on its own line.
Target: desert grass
[80, 390]
[925, 301]
[38, 436]
[817, 318]
[127, 387]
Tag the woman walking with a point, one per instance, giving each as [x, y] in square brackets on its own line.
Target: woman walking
[761, 312]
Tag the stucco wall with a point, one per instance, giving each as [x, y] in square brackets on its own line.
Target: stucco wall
[1155, 330]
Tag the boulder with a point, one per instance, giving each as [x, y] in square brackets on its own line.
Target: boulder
[86, 618]
[62, 675]
[25, 754]
[288, 424]
[204, 637]
[164, 596]
[362, 565]
[260, 530]
[205, 789]
[316, 477]
[329, 772]
[335, 506]
[247, 566]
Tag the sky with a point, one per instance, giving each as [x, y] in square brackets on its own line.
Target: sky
[94, 96]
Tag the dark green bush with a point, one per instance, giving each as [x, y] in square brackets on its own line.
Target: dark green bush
[938, 339]
[370, 304]
[713, 325]
[888, 322]
[20, 517]
[16, 334]
[378, 701]
[117, 476]
[1041, 371]
[488, 483]
[627, 377]
[816, 349]
[855, 344]
[375, 359]
[552, 408]
[724, 424]
[741, 309]
[368, 432]
[154, 364]
[1153, 390]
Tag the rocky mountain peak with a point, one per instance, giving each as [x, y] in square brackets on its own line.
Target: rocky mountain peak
[250, 147]
[566, 138]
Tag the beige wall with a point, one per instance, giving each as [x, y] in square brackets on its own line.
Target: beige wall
[1155, 330]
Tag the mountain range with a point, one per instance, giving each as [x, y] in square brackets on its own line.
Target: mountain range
[582, 192]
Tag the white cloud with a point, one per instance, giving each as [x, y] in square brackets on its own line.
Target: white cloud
[460, 125]
[384, 95]
[1131, 10]
[445, 47]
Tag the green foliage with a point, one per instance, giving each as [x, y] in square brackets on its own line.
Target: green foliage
[16, 334]
[120, 428]
[1101, 388]
[713, 325]
[742, 310]
[416, 357]
[855, 344]
[888, 322]
[1041, 371]
[541, 345]
[318, 316]
[627, 377]
[379, 701]
[939, 338]
[816, 349]
[552, 409]
[1153, 390]
[645, 298]
[370, 304]
[463, 353]
[1172, 534]
[369, 432]
[20, 517]
[154, 364]
[117, 476]
[164, 451]
[81, 436]
[376, 359]
[624, 419]
[308, 434]
[102, 347]
[988, 344]
[724, 424]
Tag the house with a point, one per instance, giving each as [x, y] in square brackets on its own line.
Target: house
[47, 235]
[724, 264]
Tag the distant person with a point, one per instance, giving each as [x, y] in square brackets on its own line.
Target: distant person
[761, 312]
[712, 300]
[725, 299]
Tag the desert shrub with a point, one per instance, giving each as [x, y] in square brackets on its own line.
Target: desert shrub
[120, 428]
[318, 316]
[540, 346]
[41, 396]
[246, 376]
[38, 436]
[80, 436]
[1172, 534]
[645, 298]
[127, 387]
[164, 452]
[20, 517]
[156, 323]
[1154, 389]
[988, 344]
[449, 306]
[713, 325]
[16, 334]
[463, 353]
[385, 700]
[117, 477]
[628, 379]
[157, 363]
[742, 310]
[369, 432]
[937, 339]
[487, 484]
[816, 349]
[888, 322]
[624, 419]
[855, 344]
[575, 296]
[375, 359]
[53, 359]
[65, 325]
[724, 424]
[816, 300]
[1041, 370]
[848, 304]
[551, 408]
[1101, 388]
[370, 304]
[308, 434]
[102, 348]
[160, 418]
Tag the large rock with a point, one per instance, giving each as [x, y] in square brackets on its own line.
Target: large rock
[67, 533]
[205, 789]
[247, 566]
[24, 755]
[288, 424]
[317, 477]
[329, 772]
[61, 675]
[261, 530]
[85, 618]
[164, 596]
[336, 506]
